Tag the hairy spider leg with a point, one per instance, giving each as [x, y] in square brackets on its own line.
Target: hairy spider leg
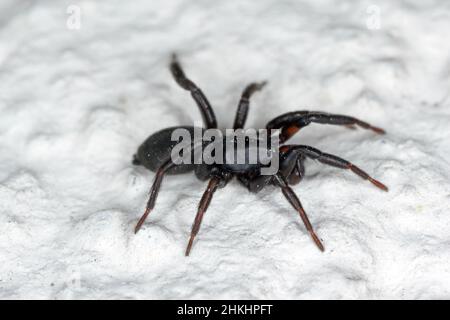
[153, 194]
[290, 123]
[205, 108]
[295, 202]
[242, 111]
[202, 207]
[334, 161]
[298, 173]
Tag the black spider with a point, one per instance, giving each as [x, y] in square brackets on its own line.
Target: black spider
[155, 153]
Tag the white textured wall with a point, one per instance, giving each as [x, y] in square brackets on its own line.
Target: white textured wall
[75, 104]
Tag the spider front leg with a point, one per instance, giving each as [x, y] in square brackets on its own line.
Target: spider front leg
[205, 108]
[291, 165]
[290, 123]
[295, 202]
[332, 160]
[297, 173]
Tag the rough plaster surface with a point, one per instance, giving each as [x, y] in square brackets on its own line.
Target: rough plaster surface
[75, 105]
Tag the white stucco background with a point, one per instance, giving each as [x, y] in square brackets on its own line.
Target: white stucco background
[75, 103]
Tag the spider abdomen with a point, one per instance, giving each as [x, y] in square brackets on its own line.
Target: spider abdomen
[157, 149]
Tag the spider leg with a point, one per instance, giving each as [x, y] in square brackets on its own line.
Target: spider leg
[295, 202]
[202, 207]
[290, 123]
[154, 192]
[335, 161]
[291, 165]
[298, 172]
[205, 108]
[242, 111]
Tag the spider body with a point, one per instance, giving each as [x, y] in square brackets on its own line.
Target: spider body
[157, 148]
[155, 153]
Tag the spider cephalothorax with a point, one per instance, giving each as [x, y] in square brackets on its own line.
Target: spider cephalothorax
[155, 154]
